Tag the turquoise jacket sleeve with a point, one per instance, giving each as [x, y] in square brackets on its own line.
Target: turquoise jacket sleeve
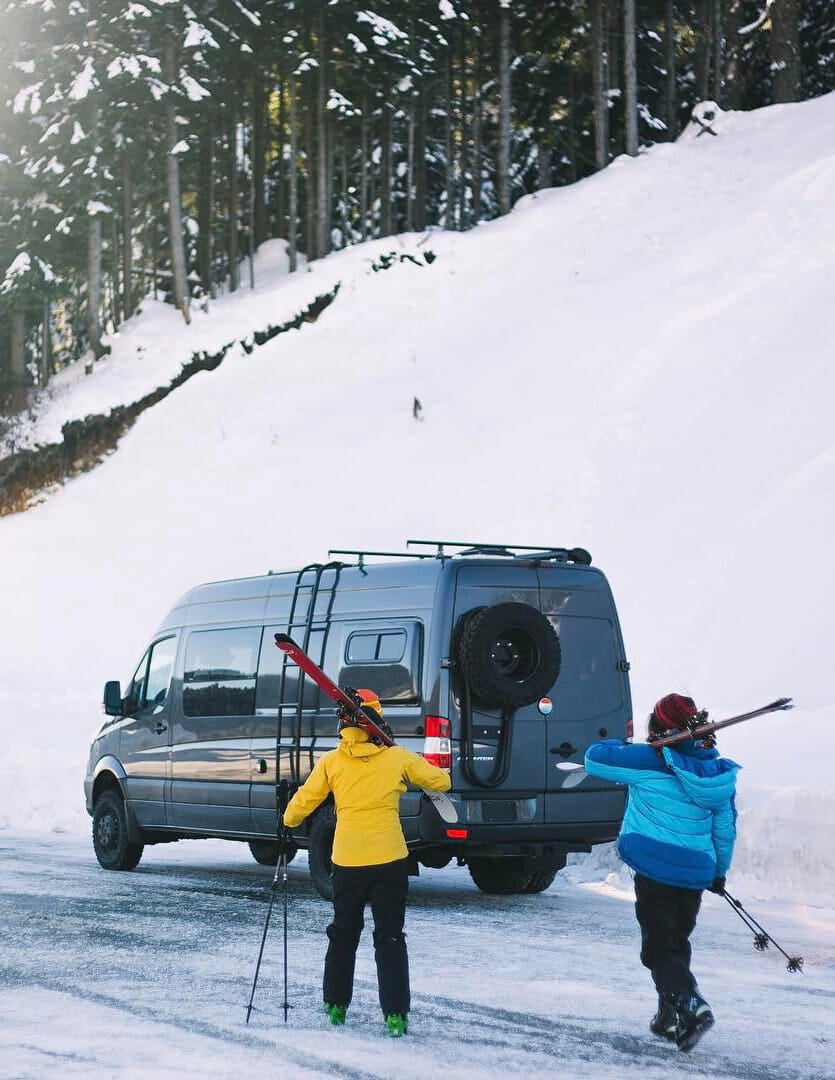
[620, 762]
[724, 836]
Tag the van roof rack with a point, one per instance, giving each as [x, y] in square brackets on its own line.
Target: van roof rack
[542, 552]
[362, 555]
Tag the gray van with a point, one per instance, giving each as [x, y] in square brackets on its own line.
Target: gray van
[497, 663]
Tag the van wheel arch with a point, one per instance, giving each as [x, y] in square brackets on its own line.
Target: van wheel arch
[112, 833]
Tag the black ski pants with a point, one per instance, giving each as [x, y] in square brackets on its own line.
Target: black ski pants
[667, 916]
[385, 888]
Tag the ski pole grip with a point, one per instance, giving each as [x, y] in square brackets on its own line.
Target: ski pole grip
[282, 795]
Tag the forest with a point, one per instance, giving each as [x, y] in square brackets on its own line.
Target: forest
[149, 147]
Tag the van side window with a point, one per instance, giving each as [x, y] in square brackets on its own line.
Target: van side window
[380, 645]
[387, 659]
[136, 693]
[159, 672]
[219, 672]
[269, 674]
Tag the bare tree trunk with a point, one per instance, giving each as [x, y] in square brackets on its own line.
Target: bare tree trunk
[671, 95]
[46, 342]
[364, 125]
[205, 208]
[704, 48]
[309, 182]
[718, 50]
[17, 358]
[386, 178]
[280, 228]
[420, 164]
[293, 179]
[600, 80]
[259, 142]
[630, 77]
[410, 172]
[734, 63]
[127, 237]
[476, 159]
[115, 295]
[94, 289]
[461, 124]
[323, 200]
[504, 110]
[449, 217]
[234, 204]
[785, 50]
[175, 209]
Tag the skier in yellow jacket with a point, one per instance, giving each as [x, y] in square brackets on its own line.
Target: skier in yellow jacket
[366, 780]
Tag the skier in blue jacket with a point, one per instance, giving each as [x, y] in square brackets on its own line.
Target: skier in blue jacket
[678, 836]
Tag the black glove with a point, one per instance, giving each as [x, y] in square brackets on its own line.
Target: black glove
[718, 886]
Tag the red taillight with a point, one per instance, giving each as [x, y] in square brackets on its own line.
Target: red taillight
[630, 729]
[457, 834]
[436, 745]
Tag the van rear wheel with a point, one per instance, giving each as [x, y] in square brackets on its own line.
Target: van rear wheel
[546, 869]
[320, 851]
[110, 833]
[266, 852]
[499, 877]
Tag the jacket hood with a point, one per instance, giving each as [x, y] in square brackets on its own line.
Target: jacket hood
[708, 779]
[354, 742]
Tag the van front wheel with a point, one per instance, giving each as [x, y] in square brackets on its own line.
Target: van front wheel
[499, 877]
[110, 833]
[320, 851]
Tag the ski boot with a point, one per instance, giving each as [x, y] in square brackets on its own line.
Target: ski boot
[336, 1013]
[665, 1021]
[397, 1024]
[694, 1019]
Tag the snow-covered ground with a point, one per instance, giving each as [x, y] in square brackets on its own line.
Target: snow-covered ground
[148, 975]
[641, 364]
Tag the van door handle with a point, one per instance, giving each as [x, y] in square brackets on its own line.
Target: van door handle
[160, 727]
[564, 750]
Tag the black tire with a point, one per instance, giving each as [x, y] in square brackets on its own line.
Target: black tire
[110, 833]
[266, 852]
[320, 851]
[510, 655]
[546, 869]
[499, 877]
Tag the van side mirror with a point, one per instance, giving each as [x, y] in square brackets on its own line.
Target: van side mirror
[113, 698]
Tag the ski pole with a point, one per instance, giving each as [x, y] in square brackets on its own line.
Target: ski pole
[761, 936]
[282, 800]
[282, 858]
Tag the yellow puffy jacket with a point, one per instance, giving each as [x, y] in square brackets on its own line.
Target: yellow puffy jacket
[366, 781]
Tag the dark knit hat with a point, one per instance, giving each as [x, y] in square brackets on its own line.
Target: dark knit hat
[673, 712]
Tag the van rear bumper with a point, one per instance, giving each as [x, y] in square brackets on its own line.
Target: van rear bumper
[507, 839]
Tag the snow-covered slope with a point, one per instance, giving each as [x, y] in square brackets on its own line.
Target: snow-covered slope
[641, 364]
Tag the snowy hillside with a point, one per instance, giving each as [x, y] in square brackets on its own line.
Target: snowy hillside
[642, 364]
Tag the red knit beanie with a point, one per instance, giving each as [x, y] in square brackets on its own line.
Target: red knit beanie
[673, 712]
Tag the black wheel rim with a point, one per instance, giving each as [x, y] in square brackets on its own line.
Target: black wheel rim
[515, 655]
[107, 832]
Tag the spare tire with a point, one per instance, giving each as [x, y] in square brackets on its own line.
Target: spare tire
[509, 654]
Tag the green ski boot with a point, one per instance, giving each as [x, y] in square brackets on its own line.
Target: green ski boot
[397, 1024]
[336, 1013]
